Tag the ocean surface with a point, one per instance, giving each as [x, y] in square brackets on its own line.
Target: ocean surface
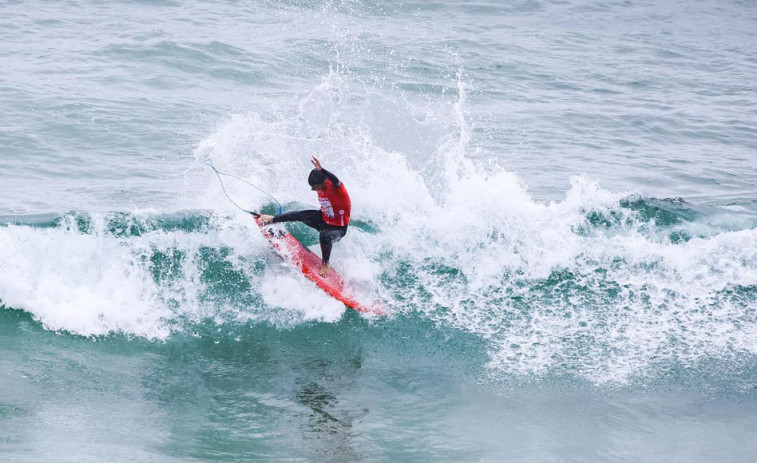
[556, 202]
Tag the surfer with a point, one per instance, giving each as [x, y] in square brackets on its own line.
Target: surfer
[331, 220]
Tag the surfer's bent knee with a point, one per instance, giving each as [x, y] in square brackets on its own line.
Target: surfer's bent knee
[332, 235]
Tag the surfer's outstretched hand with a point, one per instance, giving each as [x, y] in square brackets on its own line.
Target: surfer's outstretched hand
[266, 219]
[316, 163]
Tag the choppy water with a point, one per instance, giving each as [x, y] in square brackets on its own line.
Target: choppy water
[555, 200]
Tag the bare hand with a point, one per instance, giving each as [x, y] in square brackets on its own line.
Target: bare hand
[316, 163]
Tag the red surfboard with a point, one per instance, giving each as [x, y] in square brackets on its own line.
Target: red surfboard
[310, 265]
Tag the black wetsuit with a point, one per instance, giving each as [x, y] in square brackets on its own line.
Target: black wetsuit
[329, 234]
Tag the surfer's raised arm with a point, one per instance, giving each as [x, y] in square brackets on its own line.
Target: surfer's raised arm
[334, 181]
[333, 178]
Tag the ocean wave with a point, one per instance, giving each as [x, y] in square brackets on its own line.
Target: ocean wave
[602, 285]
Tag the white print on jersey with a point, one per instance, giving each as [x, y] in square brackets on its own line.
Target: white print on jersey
[326, 207]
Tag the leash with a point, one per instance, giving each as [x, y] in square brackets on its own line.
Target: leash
[220, 180]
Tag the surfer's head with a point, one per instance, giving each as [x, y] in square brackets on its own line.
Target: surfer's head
[317, 180]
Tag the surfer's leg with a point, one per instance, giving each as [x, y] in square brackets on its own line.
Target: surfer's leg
[327, 237]
[311, 218]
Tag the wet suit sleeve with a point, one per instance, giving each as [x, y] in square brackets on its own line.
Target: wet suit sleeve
[334, 181]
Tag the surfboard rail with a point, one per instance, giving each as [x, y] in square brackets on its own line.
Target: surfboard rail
[309, 264]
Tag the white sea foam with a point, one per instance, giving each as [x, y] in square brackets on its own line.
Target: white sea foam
[86, 284]
[90, 281]
[467, 246]
[458, 242]
[294, 293]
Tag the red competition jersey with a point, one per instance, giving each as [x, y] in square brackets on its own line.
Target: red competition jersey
[335, 204]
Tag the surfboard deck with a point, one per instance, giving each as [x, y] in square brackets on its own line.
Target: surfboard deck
[309, 264]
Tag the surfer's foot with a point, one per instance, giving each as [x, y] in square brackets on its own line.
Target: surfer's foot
[324, 270]
[266, 219]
